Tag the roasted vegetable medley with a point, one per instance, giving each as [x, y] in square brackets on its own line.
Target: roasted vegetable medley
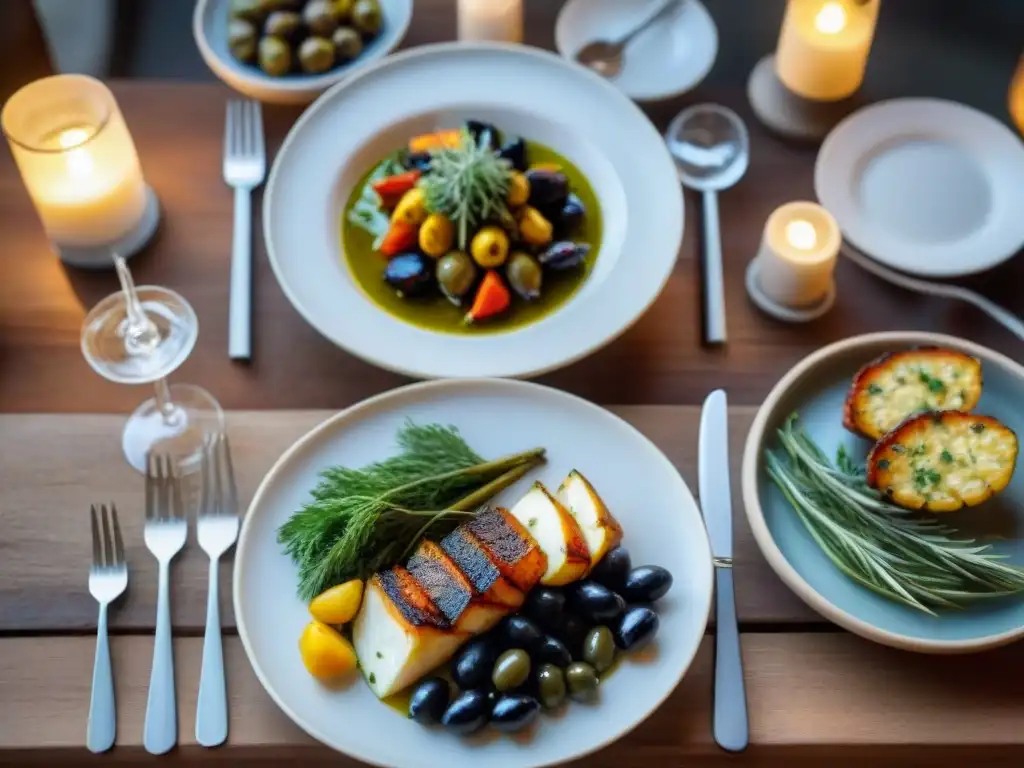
[311, 36]
[463, 214]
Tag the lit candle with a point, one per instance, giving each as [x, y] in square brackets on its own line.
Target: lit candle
[499, 20]
[824, 45]
[1017, 96]
[79, 164]
[798, 254]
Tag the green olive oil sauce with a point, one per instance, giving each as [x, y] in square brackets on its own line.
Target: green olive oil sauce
[436, 313]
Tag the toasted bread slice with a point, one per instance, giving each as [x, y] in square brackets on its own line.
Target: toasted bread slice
[557, 533]
[943, 460]
[601, 531]
[451, 591]
[509, 546]
[898, 385]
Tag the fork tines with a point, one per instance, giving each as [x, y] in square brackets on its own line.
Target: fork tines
[219, 494]
[243, 128]
[107, 546]
[163, 489]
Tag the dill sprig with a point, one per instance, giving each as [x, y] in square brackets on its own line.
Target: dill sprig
[469, 185]
[360, 521]
[897, 553]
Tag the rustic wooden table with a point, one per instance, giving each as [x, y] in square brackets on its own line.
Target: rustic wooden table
[816, 695]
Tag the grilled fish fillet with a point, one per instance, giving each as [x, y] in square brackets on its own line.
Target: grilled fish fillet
[475, 563]
[451, 591]
[943, 461]
[557, 533]
[400, 634]
[601, 531]
[508, 546]
[895, 386]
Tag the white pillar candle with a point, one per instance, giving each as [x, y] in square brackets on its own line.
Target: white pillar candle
[798, 254]
[824, 45]
[1017, 96]
[498, 20]
[77, 160]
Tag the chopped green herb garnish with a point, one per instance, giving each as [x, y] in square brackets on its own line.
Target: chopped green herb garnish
[380, 655]
[874, 389]
[936, 386]
[372, 678]
[946, 456]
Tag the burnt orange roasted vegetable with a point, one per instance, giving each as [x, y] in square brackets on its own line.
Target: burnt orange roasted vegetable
[393, 187]
[492, 298]
[438, 140]
[401, 236]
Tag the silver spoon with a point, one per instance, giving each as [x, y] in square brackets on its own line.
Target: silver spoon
[712, 151]
[605, 56]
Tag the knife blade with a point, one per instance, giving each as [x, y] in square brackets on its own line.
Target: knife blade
[730, 724]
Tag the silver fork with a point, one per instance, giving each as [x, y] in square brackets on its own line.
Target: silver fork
[217, 529]
[164, 532]
[245, 165]
[108, 579]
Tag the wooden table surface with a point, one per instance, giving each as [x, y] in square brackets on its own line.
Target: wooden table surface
[817, 696]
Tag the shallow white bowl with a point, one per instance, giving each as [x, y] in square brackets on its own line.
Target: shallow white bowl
[660, 518]
[521, 90]
[210, 30]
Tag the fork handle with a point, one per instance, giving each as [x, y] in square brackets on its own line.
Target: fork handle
[160, 732]
[102, 726]
[240, 307]
[212, 707]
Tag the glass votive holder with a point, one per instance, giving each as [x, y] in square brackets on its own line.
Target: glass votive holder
[494, 20]
[79, 164]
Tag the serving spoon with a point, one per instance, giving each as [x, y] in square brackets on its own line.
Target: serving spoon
[605, 56]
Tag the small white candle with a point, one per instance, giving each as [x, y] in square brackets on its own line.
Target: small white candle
[77, 160]
[824, 45]
[497, 20]
[1017, 96]
[798, 254]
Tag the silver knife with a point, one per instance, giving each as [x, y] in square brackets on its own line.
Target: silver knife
[730, 712]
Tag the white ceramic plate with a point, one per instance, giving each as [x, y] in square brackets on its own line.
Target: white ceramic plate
[925, 186]
[665, 61]
[662, 526]
[522, 90]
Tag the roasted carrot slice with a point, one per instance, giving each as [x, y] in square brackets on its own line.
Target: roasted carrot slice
[401, 236]
[492, 298]
[451, 139]
[397, 185]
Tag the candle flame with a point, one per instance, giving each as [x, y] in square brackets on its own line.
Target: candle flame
[72, 137]
[801, 234]
[831, 18]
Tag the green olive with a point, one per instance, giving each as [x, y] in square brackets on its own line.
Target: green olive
[366, 17]
[599, 649]
[242, 39]
[524, 275]
[347, 43]
[582, 682]
[342, 10]
[250, 10]
[551, 684]
[283, 24]
[316, 55]
[456, 274]
[511, 670]
[275, 56]
[319, 18]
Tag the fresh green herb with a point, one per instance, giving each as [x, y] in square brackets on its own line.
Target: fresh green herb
[924, 477]
[946, 456]
[372, 678]
[919, 450]
[468, 185]
[380, 655]
[936, 386]
[899, 554]
[363, 520]
[874, 389]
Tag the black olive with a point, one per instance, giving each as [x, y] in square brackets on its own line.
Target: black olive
[513, 713]
[484, 134]
[636, 628]
[571, 632]
[514, 150]
[520, 632]
[411, 274]
[564, 254]
[416, 161]
[612, 569]
[429, 700]
[553, 651]
[596, 602]
[570, 217]
[646, 584]
[548, 189]
[545, 606]
[468, 713]
[471, 667]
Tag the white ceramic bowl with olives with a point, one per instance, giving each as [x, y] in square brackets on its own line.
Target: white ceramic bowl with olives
[291, 51]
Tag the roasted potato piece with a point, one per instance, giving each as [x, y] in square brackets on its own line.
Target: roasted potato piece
[898, 385]
[943, 460]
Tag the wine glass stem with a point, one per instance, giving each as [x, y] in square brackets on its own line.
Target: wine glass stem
[163, 400]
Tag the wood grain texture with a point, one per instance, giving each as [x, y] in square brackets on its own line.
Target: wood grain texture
[660, 360]
[54, 466]
[812, 692]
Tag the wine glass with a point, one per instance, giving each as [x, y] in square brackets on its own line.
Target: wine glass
[141, 336]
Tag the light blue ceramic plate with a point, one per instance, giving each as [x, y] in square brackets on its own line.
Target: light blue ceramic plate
[210, 29]
[816, 388]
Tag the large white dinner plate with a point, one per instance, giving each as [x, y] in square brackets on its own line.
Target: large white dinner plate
[929, 187]
[662, 526]
[523, 90]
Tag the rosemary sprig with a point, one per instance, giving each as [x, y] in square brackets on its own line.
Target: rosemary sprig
[897, 553]
[363, 520]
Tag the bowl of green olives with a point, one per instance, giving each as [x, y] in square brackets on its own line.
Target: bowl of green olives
[291, 51]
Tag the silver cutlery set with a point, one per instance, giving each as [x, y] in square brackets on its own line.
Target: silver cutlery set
[165, 534]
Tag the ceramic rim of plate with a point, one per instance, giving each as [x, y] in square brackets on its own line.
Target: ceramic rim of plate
[757, 438]
[641, 199]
